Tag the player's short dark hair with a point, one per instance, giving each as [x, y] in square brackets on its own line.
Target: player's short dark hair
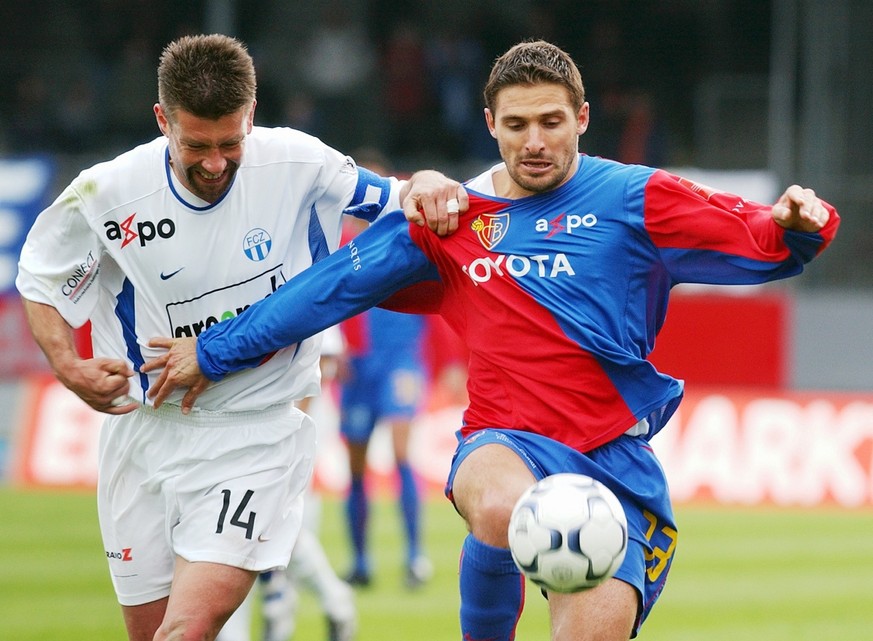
[534, 62]
[208, 76]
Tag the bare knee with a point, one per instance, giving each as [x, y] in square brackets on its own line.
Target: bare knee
[488, 517]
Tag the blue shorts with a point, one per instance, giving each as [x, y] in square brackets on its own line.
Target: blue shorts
[628, 467]
[387, 386]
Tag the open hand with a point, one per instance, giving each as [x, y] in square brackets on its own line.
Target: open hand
[180, 370]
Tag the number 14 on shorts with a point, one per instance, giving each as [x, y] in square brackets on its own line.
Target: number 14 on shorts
[237, 519]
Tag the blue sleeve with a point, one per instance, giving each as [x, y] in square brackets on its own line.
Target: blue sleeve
[377, 263]
[371, 195]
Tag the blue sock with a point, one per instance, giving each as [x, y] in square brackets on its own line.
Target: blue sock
[492, 592]
[409, 505]
[357, 512]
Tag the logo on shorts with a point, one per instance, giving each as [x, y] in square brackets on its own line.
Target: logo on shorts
[474, 437]
[125, 554]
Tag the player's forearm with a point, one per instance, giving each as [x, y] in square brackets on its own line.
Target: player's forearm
[378, 263]
[53, 335]
[741, 242]
[303, 307]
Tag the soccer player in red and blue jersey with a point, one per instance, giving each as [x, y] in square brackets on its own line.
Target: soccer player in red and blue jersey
[558, 280]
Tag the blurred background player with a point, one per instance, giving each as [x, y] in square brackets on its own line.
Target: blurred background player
[382, 382]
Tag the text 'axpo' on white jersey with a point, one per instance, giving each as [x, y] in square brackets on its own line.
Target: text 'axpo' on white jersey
[127, 247]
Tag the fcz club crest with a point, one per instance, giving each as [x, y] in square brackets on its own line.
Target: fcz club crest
[491, 229]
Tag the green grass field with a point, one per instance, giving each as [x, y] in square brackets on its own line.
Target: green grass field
[769, 574]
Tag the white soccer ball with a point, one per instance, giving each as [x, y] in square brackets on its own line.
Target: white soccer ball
[568, 533]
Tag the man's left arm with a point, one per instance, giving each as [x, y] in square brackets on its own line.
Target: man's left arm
[379, 262]
[709, 236]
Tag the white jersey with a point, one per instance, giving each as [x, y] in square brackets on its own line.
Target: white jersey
[127, 247]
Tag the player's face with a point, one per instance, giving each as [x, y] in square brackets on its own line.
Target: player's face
[537, 132]
[205, 154]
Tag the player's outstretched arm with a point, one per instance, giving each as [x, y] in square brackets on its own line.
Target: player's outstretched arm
[179, 368]
[799, 209]
[378, 263]
[431, 198]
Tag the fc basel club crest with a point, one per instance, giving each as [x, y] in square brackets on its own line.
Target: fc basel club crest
[491, 228]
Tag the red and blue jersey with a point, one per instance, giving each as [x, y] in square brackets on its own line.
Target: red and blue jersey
[558, 296]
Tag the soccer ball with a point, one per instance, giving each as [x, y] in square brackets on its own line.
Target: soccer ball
[568, 533]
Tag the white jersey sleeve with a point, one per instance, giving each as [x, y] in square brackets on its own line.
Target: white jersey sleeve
[127, 247]
[61, 268]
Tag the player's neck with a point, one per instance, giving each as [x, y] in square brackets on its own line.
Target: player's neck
[505, 186]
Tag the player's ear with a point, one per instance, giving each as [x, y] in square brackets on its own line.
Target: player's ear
[251, 119]
[489, 120]
[161, 117]
[583, 119]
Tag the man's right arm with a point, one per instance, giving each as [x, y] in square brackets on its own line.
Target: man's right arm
[100, 382]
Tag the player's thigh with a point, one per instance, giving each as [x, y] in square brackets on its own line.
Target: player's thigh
[142, 621]
[605, 613]
[402, 390]
[401, 430]
[203, 598]
[132, 514]
[245, 508]
[358, 410]
[485, 487]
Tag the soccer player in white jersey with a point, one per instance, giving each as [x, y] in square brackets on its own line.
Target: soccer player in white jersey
[174, 236]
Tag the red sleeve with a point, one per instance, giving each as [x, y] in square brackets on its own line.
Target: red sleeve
[682, 214]
[354, 332]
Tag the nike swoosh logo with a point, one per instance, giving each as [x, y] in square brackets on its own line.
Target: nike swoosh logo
[263, 539]
[171, 274]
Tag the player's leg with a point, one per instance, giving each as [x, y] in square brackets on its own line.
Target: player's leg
[240, 506]
[604, 613]
[418, 567]
[311, 568]
[358, 513]
[133, 518]
[278, 605]
[191, 503]
[398, 402]
[357, 421]
[485, 486]
[195, 613]
[141, 621]
[239, 626]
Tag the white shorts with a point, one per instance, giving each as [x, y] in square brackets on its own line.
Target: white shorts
[223, 487]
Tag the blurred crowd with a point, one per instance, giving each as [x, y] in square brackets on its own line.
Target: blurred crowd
[399, 75]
